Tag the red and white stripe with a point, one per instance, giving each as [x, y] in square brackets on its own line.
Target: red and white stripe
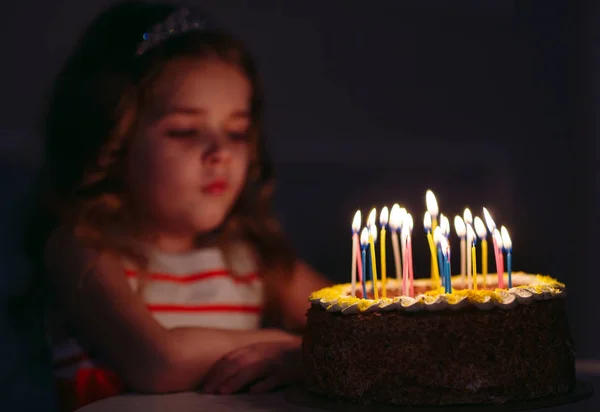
[193, 289]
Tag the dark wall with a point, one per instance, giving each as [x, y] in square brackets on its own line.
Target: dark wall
[487, 103]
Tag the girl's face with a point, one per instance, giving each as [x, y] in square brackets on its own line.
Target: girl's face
[189, 159]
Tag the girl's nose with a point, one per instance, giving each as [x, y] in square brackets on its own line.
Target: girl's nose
[218, 150]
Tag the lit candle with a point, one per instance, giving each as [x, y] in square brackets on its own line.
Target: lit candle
[435, 270]
[371, 251]
[432, 208]
[474, 258]
[403, 213]
[372, 240]
[356, 261]
[364, 242]
[507, 242]
[383, 221]
[437, 239]
[482, 234]
[395, 227]
[491, 225]
[499, 258]
[469, 255]
[445, 245]
[468, 216]
[461, 232]
[445, 225]
[408, 279]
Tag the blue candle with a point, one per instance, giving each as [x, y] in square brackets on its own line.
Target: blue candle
[364, 271]
[448, 274]
[441, 265]
[507, 243]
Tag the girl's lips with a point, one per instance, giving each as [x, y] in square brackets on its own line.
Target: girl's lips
[215, 187]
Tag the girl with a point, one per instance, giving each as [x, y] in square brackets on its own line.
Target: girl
[155, 233]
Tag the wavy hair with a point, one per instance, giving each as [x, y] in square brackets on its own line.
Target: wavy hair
[92, 115]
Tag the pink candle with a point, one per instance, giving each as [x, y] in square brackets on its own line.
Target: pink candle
[411, 275]
[499, 258]
[358, 258]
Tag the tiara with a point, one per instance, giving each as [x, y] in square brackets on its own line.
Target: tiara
[180, 21]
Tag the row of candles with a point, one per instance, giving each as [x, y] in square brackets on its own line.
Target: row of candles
[400, 223]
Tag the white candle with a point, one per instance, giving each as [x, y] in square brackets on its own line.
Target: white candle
[355, 228]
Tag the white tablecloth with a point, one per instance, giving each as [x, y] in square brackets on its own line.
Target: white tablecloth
[195, 402]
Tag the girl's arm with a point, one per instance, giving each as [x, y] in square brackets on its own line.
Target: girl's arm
[114, 321]
[294, 294]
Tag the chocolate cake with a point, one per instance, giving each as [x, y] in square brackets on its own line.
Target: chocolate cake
[467, 347]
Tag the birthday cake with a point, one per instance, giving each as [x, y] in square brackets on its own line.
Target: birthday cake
[481, 340]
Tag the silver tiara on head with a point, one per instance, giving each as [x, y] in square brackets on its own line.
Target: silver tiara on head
[180, 21]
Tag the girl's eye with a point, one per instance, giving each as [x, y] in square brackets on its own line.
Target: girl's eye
[182, 133]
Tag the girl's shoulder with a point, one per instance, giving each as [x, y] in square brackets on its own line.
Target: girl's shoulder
[66, 258]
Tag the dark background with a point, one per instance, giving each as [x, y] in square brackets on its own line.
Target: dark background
[369, 103]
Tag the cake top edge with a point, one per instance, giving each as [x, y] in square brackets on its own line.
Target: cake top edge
[527, 287]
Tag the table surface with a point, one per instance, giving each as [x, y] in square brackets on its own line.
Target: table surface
[196, 402]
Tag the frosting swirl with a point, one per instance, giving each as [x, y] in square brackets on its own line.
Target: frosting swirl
[528, 289]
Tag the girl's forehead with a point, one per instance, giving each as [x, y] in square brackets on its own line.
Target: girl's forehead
[198, 82]
[200, 85]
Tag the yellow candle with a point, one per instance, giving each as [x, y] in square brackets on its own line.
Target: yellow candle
[383, 269]
[373, 265]
[474, 265]
[435, 272]
[484, 260]
[482, 234]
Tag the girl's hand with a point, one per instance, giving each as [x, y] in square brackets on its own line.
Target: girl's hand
[260, 367]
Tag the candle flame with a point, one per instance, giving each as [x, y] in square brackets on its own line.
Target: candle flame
[437, 235]
[373, 232]
[506, 241]
[383, 217]
[498, 238]
[408, 222]
[468, 216]
[427, 222]
[407, 225]
[364, 237]
[470, 234]
[459, 226]
[356, 222]
[445, 224]
[480, 228]
[403, 213]
[395, 217]
[445, 246]
[432, 205]
[372, 217]
[489, 221]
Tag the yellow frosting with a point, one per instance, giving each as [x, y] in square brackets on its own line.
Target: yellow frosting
[339, 295]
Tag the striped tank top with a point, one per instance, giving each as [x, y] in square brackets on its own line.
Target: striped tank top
[189, 289]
